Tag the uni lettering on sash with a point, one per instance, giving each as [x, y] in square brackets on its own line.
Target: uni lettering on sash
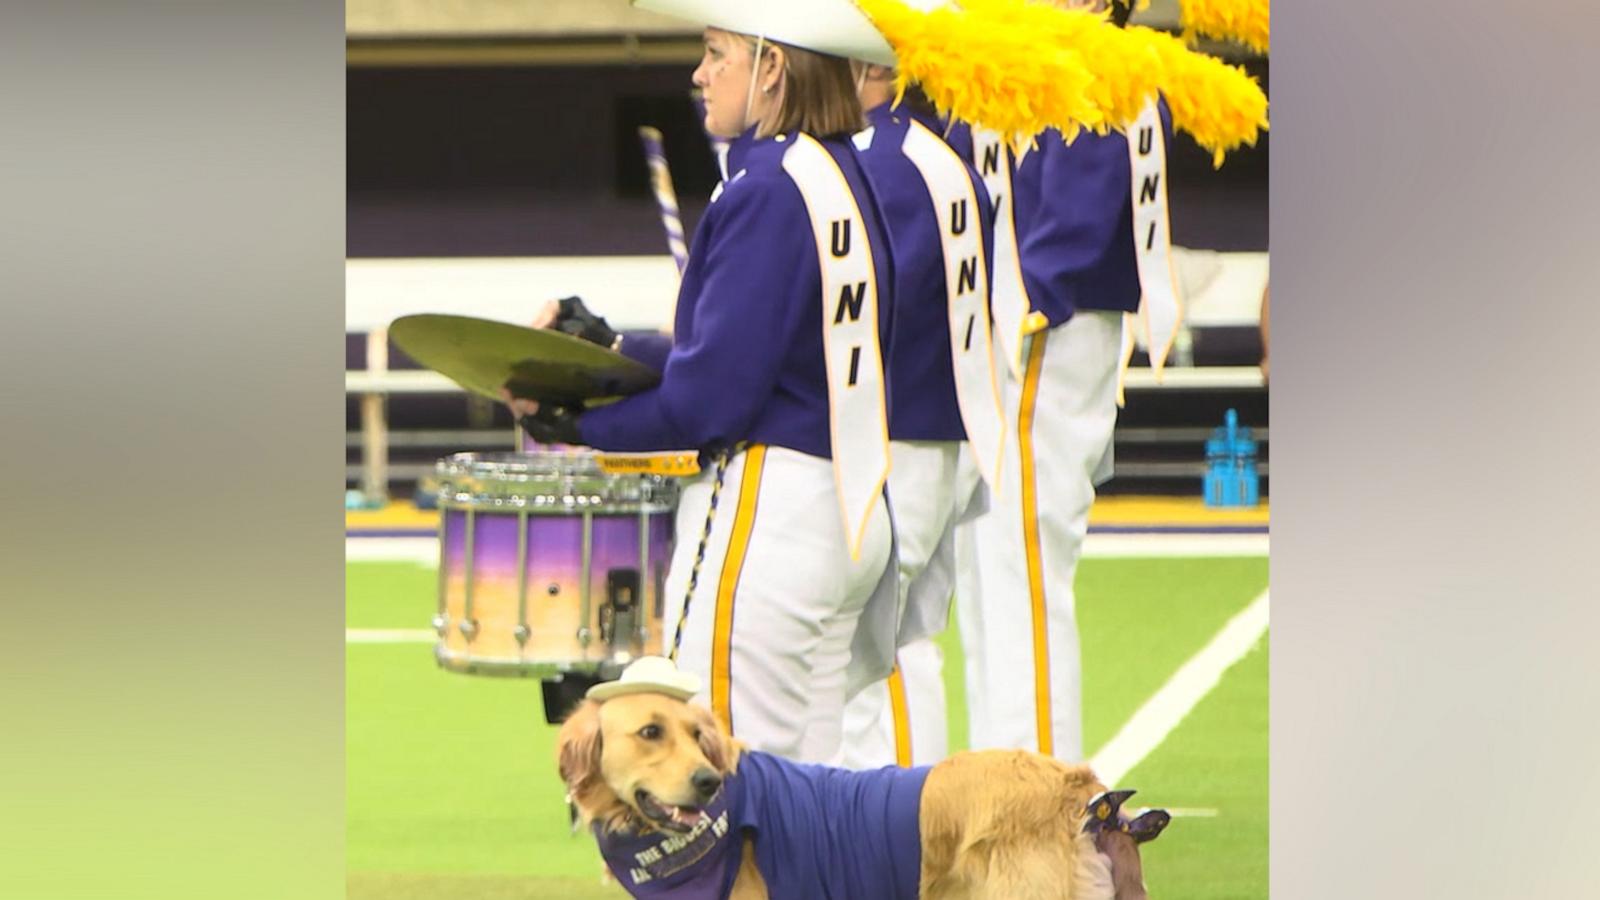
[991, 159]
[1147, 193]
[851, 299]
[1160, 308]
[1009, 297]
[967, 283]
[967, 277]
[858, 416]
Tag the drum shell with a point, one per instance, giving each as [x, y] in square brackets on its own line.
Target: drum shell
[542, 556]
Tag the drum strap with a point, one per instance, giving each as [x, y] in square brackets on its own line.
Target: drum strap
[721, 471]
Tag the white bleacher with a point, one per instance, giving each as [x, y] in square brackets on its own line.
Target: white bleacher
[636, 292]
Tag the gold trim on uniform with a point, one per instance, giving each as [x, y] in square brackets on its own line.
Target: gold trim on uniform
[744, 520]
[901, 712]
[1030, 544]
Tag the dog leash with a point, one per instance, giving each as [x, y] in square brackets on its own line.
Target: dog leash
[723, 459]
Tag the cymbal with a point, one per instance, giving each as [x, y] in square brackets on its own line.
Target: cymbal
[483, 355]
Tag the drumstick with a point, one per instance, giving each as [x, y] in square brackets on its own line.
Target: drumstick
[666, 199]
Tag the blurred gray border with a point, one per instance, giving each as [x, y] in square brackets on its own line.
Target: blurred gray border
[1435, 425]
[172, 265]
[171, 261]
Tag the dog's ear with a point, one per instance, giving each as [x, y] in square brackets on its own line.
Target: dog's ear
[578, 745]
[720, 750]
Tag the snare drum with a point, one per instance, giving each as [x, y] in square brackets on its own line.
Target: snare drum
[549, 564]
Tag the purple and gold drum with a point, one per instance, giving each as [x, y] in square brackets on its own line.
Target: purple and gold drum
[548, 563]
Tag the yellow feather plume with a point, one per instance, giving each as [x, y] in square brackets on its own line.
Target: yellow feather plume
[1020, 67]
[1125, 72]
[987, 70]
[1244, 21]
[1219, 105]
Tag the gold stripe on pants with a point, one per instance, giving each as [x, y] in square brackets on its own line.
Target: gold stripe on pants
[722, 634]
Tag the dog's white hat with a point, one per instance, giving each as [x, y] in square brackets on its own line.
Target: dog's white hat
[833, 27]
[649, 675]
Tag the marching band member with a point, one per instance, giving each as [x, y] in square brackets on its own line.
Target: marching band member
[1073, 243]
[775, 375]
[951, 52]
[937, 216]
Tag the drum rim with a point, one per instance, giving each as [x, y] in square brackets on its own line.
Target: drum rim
[512, 481]
[519, 460]
[506, 667]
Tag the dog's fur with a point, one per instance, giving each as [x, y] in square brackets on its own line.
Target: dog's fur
[1006, 825]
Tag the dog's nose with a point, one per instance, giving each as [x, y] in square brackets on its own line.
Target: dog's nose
[706, 783]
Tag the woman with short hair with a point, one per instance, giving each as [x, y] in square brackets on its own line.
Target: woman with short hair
[774, 375]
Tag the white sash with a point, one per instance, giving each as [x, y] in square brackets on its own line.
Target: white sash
[1160, 305]
[857, 409]
[1009, 294]
[967, 291]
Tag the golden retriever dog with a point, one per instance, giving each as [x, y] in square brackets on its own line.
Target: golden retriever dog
[652, 769]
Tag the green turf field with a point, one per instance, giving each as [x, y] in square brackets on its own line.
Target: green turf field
[451, 784]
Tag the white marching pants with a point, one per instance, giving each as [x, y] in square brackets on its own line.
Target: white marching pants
[902, 720]
[776, 601]
[1016, 563]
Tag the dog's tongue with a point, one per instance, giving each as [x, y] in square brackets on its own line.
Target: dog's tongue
[684, 816]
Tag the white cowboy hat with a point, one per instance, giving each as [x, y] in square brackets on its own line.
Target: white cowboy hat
[833, 27]
[649, 675]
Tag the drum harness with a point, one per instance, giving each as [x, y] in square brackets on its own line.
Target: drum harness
[723, 458]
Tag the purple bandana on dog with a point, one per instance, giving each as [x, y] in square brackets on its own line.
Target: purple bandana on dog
[697, 865]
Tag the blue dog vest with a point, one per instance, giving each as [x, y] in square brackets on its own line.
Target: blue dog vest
[820, 834]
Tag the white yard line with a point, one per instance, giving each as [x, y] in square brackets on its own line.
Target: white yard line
[424, 550]
[390, 636]
[1124, 546]
[1187, 687]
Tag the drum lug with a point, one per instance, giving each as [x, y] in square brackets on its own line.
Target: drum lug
[469, 628]
[522, 633]
[441, 624]
[585, 634]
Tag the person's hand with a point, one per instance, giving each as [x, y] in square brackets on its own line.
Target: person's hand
[573, 318]
[552, 423]
[547, 314]
[547, 423]
[519, 406]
